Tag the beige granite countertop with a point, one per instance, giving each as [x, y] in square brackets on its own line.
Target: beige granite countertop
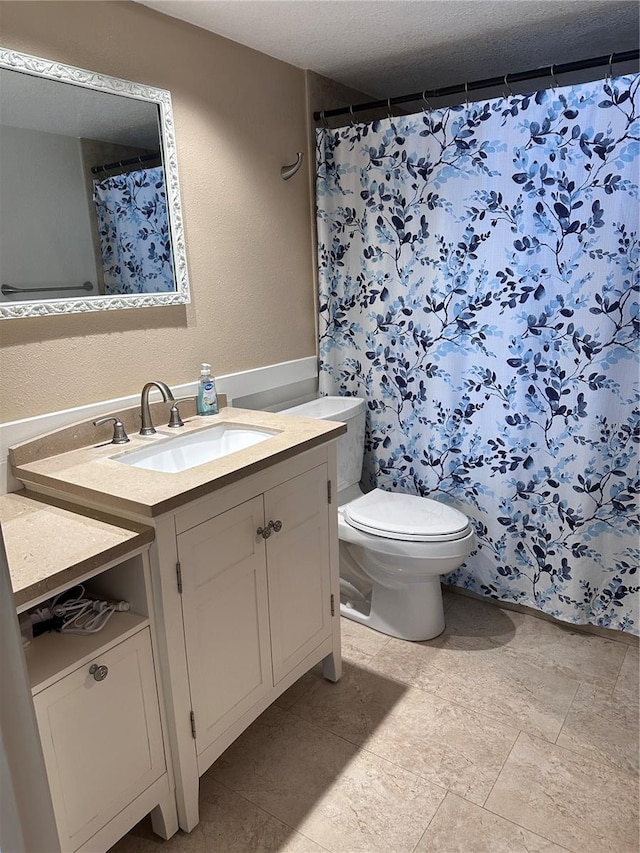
[51, 543]
[65, 462]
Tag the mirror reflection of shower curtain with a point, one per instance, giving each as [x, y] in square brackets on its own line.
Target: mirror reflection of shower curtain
[133, 226]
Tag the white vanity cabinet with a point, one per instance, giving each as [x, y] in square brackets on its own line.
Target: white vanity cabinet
[243, 576]
[256, 598]
[248, 582]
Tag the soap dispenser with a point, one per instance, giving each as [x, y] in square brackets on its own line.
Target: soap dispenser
[207, 395]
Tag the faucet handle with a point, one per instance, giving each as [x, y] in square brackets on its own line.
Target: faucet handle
[174, 415]
[119, 433]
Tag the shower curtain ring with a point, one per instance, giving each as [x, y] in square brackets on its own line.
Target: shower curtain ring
[610, 68]
[466, 94]
[324, 121]
[353, 121]
[389, 113]
[506, 83]
[426, 100]
[553, 78]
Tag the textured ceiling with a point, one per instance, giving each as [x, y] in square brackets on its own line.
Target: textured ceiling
[391, 47]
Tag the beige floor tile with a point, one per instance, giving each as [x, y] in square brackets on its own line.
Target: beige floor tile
[228, 824]
[571, 654]
[629, 678]
[299, 688]
[578, 803]
[483, 621]
[604, 726]
[346, 799]
[142, 839]
[353, 707]
[232, 824]
[461, 827]
[437, 739]
[360, 643]
[493, 681]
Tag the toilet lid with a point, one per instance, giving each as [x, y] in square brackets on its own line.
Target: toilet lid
[407, 517]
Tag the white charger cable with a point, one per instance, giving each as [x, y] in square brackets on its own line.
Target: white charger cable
[84, 615]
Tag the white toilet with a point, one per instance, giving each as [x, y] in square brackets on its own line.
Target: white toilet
[393, 547]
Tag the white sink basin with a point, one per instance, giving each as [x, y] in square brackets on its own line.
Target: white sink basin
[186, 451]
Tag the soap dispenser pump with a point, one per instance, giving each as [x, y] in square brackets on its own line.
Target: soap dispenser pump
[207, 395]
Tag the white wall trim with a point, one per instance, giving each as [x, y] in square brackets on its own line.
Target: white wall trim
[261, 380]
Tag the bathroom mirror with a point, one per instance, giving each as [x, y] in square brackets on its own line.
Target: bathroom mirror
[90, 215]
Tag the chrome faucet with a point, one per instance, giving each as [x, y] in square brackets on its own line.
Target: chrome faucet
[147, 427]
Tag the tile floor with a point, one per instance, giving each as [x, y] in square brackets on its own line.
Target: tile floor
[506, 734]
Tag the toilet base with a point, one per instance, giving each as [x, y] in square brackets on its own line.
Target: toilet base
[414, 613]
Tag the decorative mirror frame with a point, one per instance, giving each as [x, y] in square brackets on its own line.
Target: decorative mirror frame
[24, 62]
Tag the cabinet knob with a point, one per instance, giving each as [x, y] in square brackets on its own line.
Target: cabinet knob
[265, 532]
[276, 526]
[98, 672]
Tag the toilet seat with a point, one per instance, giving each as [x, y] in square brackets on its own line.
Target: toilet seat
[407, 518]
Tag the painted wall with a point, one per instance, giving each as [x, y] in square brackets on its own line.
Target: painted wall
[239, 116]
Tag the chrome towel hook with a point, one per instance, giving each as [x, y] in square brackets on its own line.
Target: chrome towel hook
[289, 171]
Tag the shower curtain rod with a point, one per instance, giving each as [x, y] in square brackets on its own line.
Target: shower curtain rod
[106, 167]
[464, 88]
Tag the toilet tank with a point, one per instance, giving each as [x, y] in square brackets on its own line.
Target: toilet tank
[351, 411]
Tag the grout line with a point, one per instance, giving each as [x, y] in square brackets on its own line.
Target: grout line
[589, 759]
[426, 829]
[597, 758]
[526, 829]
[622, 663]
[567, 712]
[495, 781]
[483, 715]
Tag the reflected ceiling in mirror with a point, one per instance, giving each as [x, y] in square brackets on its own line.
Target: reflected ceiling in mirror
[90, 214]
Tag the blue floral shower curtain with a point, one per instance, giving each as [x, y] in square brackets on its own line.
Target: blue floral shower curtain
[479, 286]
[134, 232]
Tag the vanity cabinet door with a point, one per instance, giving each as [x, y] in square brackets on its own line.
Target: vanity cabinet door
[226, 617]
[298, 568]
[101, 738]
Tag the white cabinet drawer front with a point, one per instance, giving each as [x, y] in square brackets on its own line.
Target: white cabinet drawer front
[102, 740]
[226, 621]
[298, 568]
